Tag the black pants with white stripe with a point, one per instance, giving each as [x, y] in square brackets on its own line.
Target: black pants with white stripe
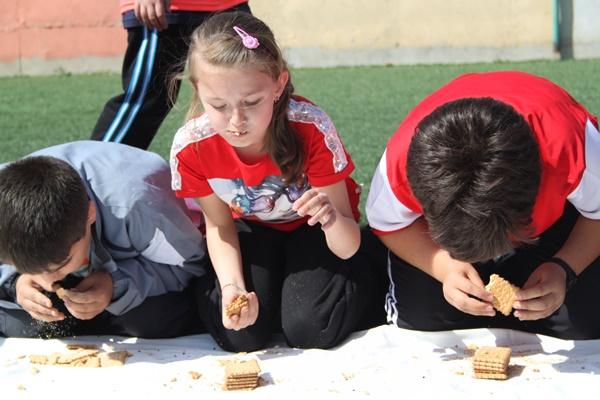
[416, 301]
[152, 58]
[306, 292]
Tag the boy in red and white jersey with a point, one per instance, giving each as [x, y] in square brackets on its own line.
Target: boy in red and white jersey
[492, 173]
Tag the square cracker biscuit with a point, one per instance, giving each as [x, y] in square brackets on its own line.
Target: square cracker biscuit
[492, 357]
[504, 293]
[242, 369]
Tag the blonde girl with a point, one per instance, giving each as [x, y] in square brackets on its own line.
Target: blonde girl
[273, 179]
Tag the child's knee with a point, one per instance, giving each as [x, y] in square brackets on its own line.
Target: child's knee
[308, 329]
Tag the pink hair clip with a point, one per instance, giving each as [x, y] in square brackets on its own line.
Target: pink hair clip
[249, 42]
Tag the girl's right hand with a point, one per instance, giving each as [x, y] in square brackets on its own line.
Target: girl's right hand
[464, 289]
[249, 313]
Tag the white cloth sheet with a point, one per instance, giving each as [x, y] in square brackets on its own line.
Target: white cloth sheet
[380, 362]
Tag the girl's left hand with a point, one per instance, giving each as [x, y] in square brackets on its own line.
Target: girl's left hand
[542, 294]
[318, 205]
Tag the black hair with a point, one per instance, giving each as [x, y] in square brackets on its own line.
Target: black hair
[474, 165]
[43, 212]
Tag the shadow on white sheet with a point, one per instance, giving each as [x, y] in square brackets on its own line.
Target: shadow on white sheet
[374, 363]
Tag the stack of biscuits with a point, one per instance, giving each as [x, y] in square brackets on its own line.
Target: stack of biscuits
[491, 362]
[504, 293]
[241, 375]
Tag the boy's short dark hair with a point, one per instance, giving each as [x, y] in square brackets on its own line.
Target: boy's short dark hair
[474, 165]
[43, 211]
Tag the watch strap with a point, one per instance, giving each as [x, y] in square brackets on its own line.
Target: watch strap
[571, 278]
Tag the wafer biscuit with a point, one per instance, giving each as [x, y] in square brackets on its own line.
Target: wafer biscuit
[491, 362]
[241, 375]
[504, 293]
[492, 355]
[488, 367]
[234, 386]
[491, 375]
[235, 307]
[242, 381]
[60, 292]
[242, 368]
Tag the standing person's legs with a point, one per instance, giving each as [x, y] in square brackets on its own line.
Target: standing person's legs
[262, 257]
[134, 116]
[324, 298]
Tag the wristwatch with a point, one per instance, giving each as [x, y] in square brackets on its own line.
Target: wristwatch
[571, 279]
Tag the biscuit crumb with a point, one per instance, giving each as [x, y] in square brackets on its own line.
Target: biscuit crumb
[195, 375]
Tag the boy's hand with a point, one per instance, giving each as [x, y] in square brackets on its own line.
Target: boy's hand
[461, 283]
[91, 296]
[542, 294]
[248, 314]
[152, 13]
[29, 296]
[318, 205]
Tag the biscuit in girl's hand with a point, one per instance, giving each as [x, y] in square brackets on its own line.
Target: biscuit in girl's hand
[235, 307]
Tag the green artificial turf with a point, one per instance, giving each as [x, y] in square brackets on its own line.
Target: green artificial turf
[365, 103]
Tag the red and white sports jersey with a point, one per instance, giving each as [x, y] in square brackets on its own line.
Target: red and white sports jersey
[566, 132]
[202, 163]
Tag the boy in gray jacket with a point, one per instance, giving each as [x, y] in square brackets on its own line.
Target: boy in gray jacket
[93, 241]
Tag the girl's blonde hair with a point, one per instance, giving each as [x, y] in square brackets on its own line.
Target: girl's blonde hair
[217, 43]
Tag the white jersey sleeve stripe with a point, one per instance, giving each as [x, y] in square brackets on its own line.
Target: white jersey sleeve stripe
[193, 131]
[301, 111]
[384, 211]
[586, 196]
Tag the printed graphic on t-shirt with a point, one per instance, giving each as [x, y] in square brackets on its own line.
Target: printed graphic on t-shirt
[271, 200]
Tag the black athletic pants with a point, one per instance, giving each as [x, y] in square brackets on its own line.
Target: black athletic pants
[152, 57]
[172, 314]
[306, 292]
[416, 301]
